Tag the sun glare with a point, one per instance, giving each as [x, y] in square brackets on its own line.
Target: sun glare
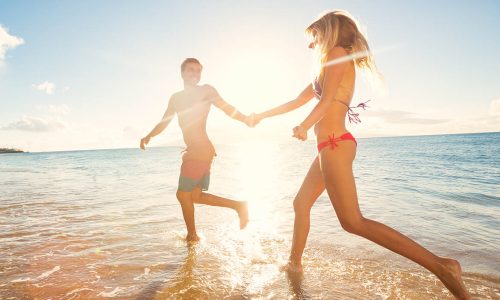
[258, 175]
[253, 78]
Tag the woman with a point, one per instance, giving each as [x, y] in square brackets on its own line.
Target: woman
[341, 48]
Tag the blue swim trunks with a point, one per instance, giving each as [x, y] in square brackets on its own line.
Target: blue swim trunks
[194, 173]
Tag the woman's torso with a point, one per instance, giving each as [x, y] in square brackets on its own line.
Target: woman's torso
[333, 123]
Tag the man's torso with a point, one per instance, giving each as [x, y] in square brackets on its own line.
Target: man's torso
[192, 107]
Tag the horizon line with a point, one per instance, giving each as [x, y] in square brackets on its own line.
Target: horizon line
[173, 145]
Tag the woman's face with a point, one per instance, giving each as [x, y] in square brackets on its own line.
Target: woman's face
[314, 41]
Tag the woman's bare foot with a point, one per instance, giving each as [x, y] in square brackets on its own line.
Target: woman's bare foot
[451, 277]
[292, 267]
[192, 238]
[242, 211]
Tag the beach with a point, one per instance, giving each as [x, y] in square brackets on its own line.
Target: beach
[106, 224]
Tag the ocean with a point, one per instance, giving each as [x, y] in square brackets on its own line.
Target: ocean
[106, 223]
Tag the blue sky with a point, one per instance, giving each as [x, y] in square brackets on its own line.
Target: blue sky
[98, 74]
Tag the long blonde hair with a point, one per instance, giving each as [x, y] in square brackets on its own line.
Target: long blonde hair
[339, 28]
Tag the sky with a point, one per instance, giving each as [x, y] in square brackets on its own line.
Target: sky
[98, 74]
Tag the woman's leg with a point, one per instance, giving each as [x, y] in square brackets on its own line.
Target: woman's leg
[336, 166]
[311, 189]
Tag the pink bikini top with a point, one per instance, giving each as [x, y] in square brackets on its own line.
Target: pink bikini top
[353, 116]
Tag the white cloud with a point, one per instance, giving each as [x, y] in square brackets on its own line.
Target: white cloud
[28, 123]
[61, 109]
[131, 132]
[47, 87]
[402, 117]
[7, 41]
[495, 108]
[54, 109]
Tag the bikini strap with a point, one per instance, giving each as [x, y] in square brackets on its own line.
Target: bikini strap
[354, 116]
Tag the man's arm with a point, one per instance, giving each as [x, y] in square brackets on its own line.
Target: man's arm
[227, 108]
[165, 120]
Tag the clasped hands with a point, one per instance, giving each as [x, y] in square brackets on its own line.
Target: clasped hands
[253, 119]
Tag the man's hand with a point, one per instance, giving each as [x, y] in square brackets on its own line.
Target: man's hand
[252, 120]
[144, 142]
[300, 133]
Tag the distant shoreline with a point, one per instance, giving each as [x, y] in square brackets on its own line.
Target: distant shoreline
[182, 146]
[8, 150]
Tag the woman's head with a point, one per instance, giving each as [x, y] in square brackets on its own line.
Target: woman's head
[339, 29]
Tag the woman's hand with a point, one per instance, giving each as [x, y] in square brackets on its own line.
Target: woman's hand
[144, 142]
[252, 120]
[300, 133]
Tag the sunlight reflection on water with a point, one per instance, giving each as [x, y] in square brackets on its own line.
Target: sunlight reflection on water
[96, 224]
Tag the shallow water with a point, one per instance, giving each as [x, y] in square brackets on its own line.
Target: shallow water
[105, 223]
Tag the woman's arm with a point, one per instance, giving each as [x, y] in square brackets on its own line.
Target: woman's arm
[305, 96]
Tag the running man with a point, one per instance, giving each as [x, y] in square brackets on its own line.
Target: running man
[192, 105]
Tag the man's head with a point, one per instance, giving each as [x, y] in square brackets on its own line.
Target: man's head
[191, 71]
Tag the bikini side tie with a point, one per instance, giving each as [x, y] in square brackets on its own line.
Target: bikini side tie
[354, 116]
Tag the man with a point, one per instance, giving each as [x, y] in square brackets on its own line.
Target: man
[192, 106]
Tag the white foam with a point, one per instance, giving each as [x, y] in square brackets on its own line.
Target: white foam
[22, 279]
[48, 273]
[146, 272]
[76, 291]
[113, 293]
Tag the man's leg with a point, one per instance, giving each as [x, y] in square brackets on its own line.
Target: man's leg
[185, 199]
[240, 207]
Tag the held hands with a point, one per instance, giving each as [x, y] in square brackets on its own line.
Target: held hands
[252, 120]
[300, 133]
[144, 142]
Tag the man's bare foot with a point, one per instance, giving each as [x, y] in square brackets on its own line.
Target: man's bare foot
[242, 211]
[192, 238]
[451, 277]
[292, 267]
